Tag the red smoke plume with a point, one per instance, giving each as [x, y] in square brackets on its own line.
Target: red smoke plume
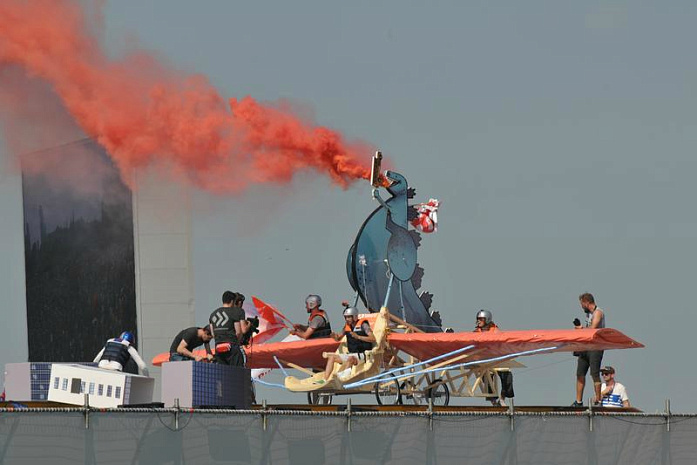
[144, 113]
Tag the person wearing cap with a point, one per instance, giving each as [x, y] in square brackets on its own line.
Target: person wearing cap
[317, 321]
[485, 323]
[613, 394]
[359, 338]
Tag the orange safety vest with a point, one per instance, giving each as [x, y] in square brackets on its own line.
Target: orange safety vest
[354, 345]
[490, 327]
[324, 330]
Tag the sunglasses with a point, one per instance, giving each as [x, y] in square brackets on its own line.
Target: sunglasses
[606, 374]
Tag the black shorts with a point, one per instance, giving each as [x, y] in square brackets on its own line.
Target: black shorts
[506, 386]
[590, 359]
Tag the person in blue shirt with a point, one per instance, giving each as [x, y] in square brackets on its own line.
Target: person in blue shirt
[613, 394]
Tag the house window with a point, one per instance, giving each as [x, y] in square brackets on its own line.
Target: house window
[65, 384]
[56, 382]
[108, 391]
[91, 389]
[82, 388]
[117, 392]
[100, 392]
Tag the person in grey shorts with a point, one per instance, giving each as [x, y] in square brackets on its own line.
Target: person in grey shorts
[592, 359]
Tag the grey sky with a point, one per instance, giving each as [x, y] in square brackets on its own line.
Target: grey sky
[558, 135]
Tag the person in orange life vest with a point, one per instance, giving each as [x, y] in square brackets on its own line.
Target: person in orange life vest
[359, 338]
[317, 323]
[485, 323]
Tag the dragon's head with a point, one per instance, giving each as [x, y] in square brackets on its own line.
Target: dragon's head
[398, 183]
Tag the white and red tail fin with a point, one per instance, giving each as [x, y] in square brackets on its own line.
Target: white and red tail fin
[271, 321]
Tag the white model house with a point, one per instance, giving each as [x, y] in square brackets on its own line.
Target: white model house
[106, 388]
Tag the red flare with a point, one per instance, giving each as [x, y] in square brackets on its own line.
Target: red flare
[145, 114]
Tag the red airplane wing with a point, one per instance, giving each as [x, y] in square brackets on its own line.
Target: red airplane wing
[424, 346]
[307, 354]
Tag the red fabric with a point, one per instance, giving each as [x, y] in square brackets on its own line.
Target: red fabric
[305, 353]
[424, 346]
[269, 324]
[269, 312]
[489, 344]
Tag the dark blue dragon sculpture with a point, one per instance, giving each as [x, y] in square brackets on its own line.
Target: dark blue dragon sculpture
[385, 251]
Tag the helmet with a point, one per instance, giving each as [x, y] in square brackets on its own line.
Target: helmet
[313, 301]
[351, 311]
[127, 336]
[486, 314]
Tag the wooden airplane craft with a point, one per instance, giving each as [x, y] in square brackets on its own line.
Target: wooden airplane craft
[416, 359]
[408, 362]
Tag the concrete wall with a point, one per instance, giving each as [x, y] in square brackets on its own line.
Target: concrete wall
[13, 309]
[164, 273]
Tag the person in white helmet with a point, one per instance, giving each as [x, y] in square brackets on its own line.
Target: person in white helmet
[317, 321]
[359, 338]
[485, 323]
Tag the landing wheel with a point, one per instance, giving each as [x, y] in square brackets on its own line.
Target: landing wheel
[412, 394]
[319, 398]
[438, 393]
[387, 392]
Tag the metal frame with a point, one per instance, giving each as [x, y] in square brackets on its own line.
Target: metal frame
[421, 385]
[480, 381]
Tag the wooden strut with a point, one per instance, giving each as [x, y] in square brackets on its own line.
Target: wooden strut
[408, 327]
[297, 367]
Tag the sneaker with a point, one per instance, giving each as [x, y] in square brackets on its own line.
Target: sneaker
[577, 404]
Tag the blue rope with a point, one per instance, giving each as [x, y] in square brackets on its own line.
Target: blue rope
[452, 367]
[266, 383]
[495, 359]
[285, 373]
[395, 370]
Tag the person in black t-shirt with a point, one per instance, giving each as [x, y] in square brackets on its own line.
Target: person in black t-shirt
[187, 340]
[228, 324]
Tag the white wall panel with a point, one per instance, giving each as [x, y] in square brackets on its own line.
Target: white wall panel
[13, 311]
[164, 272]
